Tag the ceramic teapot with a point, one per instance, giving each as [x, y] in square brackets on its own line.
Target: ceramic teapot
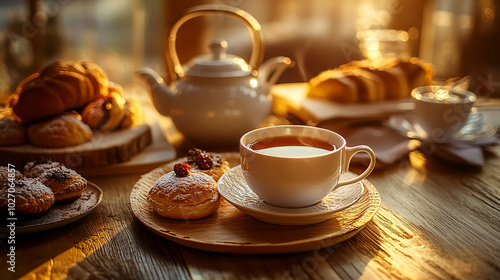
[216, 98]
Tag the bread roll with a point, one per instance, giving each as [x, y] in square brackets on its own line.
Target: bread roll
[60, 131]
[59, 87]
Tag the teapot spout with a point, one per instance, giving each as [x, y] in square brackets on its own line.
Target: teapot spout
[160, 93]
[271, 70]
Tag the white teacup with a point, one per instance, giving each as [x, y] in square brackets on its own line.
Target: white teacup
[442, 112]
[297, 166]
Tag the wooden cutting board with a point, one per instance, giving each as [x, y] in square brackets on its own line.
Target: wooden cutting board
[231, 231]
[103, 149]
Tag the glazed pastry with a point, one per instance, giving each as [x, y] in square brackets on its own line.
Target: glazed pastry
[66, 184]
[12, 132]
[211, 164]
[6, 172]
[32, 198]
[59, 87]
[184, 195]
[36, 168]
[112, 112]
[60, 131]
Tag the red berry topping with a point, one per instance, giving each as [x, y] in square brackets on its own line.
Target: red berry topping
[204, 162]
[182, 169]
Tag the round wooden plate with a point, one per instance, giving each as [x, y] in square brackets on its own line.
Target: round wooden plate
[230, 231]
[102, 149]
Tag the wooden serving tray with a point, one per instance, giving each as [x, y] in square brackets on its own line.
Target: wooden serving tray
[103, 149]
[230, 231]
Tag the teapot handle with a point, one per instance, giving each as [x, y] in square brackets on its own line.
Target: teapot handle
[174, 66]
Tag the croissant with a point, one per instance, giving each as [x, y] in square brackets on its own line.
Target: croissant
[367, 81]
[58, 87]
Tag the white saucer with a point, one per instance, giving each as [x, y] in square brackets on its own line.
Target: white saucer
[233, 188]
[476, 128]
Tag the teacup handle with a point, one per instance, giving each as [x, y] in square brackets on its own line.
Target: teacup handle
[349, 153]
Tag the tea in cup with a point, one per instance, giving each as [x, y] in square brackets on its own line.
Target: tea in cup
[297, 166]
[441, 112]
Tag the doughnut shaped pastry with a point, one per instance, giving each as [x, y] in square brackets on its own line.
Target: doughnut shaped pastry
[66, 184]
[188, 197]
[32, 197]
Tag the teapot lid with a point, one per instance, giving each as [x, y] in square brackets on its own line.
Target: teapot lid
[219, 64]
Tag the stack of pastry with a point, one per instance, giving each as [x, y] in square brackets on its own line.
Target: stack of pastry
[60, 105]
[371, 80]
[41, 184]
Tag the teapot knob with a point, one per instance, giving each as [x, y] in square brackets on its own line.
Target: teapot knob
[218, 49]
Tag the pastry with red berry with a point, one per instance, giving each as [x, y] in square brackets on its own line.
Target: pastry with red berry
[209, 163]
[184, 194]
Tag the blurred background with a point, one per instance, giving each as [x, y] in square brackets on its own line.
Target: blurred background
[458, 37]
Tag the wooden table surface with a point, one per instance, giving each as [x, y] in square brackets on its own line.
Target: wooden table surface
[437, 220]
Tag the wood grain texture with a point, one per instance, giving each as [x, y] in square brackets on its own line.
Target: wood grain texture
[103, 149]
[438, 220]
[231, 231]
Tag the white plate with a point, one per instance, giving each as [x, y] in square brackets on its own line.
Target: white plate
[233, 188]
[476, 128]
[61, 214]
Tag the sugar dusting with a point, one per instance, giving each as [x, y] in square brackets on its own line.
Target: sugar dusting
[189, 190]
